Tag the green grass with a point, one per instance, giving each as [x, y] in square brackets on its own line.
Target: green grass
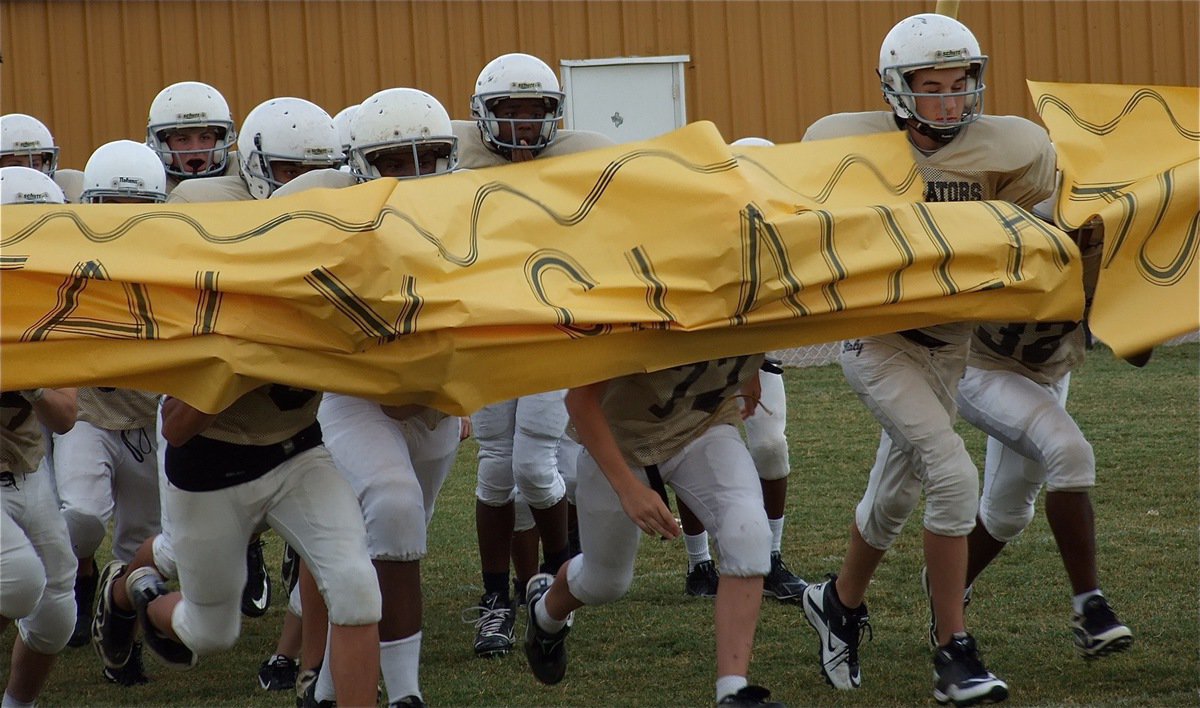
[655, 647]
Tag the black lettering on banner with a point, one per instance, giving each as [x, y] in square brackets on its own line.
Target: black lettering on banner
[706, 401]
[208, 305]
[359, 311]
[289, 398]
[545, 260]
[757, 235]
[1177, 266]
[63, 318]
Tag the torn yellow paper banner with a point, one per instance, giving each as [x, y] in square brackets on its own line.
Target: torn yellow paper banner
[460, 290]
[1131, 155]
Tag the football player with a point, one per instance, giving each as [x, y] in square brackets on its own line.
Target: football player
[106, 466]
[192, 130]
[1015, 390]
[641, 432]
[766, 437]
[26, 141]
[932, 75]
[516, 108]
[396, 458]
[37, 568]
[276, 471]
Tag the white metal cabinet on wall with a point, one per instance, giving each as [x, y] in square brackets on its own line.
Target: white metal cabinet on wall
[625, 98]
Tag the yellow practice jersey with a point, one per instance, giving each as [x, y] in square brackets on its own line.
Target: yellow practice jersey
[22, 444]
[474, 154]
[654, 415]
[117, 408]
[1004, 158]
[265, 416]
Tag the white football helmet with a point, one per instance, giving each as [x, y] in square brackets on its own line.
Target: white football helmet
[124, 169]
[285, 130]
[928, 41]
[25, 185]
[26, 136]
[342, 122]
[190, 104]
[403, 118]
[752, 142]
[516, 76]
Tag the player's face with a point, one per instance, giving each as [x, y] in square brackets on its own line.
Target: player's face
[193, 148]
[401, 162]
[34, 160]
[529, 110]
[283, 171]
[938, 107]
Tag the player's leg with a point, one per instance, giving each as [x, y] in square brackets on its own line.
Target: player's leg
[317, 513]
[602, 573]
[541, 421]
[494, 427]
[44, 630]
[716, 477]
[766, 438]
[84, 474]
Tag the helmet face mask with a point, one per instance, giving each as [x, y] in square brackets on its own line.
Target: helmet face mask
[187, 106]
[285, 130]
[932, 41]
[402, 133]
[124, 171]
[23, 140]
[517, 76]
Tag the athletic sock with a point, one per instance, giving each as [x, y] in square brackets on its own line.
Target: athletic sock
[729, 685]
[400, 664]
[776, 534]
[697, 549]
[542, 616]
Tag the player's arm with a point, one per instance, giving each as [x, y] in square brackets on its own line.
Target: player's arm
[751, 395]
[56, 408]
[641, 503]
[181, 422]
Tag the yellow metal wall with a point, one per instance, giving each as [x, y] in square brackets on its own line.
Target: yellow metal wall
[769, 68]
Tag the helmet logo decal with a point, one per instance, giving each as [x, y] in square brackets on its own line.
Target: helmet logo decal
[951, 53]
[197, 115]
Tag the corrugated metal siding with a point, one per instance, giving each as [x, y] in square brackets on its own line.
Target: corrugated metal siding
[769, 68]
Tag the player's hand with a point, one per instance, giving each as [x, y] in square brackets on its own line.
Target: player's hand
[519, 155]
[646, 508]
[464, 430]
[751, 394]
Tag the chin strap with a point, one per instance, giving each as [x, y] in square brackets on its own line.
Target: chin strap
[942, 135]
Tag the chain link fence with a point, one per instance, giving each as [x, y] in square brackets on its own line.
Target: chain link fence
[821, 354]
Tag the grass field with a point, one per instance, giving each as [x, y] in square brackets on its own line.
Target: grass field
[655, 646]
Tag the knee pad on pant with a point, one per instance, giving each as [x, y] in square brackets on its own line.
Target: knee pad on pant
[395, 518]
[1071, 468]
[86, 531]
[952, 498]
[880, 521]
[770, 457]
[22, 585]
[1005, 525]
[744, 543]
[48, 628]
[207, 629]
[597, 586]
[494, 494]
[164, 557]
[352, 595]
